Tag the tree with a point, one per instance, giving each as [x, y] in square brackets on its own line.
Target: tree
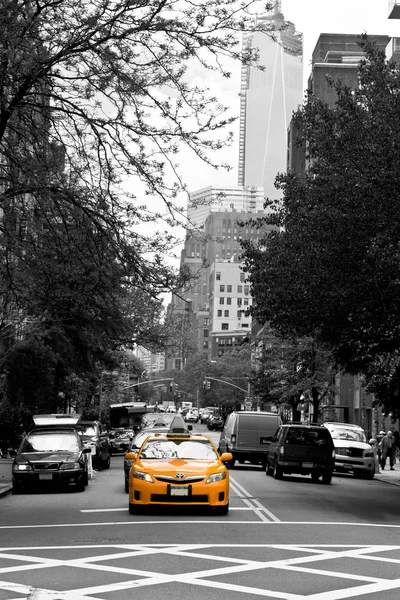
[330, 270]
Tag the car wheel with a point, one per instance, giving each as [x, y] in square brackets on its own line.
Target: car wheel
[16, 489]
[86, 478]
[278, 473]
[80, 485]
[315, 476]
[105, 464]
[370, 474]
[327, 477]
[126, 485]
[269, 470]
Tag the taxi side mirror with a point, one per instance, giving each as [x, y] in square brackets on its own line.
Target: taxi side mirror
[226, 457]
[131, 456]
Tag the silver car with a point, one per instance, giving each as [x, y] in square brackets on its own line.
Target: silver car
[352, 452]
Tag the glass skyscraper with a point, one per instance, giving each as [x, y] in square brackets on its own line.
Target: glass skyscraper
[268, 98]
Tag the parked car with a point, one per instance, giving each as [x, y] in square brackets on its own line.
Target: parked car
[178, 469]
[352, 452]
[303, 450]
[215, 423]
[246, 435]
[95, 437]
[51, 454]
[119, 440]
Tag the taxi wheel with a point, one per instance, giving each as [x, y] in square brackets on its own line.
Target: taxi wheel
[133, 509]
[222, 510]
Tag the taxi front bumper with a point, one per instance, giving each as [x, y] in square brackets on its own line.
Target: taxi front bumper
[161, 493]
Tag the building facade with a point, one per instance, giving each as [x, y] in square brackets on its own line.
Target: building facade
[268, 97]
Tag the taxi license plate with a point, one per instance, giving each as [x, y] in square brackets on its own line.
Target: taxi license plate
[45, 476]
[308, 465]
[179, 491]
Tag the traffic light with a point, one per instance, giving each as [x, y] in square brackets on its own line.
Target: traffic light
[171, 386]
[208, 385]
[204, 385]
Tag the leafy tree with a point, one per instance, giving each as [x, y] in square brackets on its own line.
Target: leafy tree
[330, 270]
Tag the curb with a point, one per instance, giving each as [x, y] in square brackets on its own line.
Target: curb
[6, 490]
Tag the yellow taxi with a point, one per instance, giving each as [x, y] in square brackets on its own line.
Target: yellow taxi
[178, 468]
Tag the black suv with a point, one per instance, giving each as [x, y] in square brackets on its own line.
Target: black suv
[301, 449]
[95, 437]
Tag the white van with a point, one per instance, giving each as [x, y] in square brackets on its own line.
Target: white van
[245, 435]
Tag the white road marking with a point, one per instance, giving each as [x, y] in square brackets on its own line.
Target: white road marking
[310, 554]
[258, 508]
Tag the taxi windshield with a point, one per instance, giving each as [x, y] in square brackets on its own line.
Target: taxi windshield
[181, 449]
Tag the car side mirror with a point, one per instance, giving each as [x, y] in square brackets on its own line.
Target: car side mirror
[131, 456]
[226, 457]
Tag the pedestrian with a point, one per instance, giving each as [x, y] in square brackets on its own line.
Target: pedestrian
[379, 438]
[388, 447]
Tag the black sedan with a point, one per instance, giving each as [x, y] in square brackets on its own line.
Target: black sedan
[50, 456]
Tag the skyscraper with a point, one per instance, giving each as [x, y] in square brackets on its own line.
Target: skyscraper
[268, 98]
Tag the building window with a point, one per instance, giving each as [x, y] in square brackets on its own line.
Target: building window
[229, 341]
[205, 333]
[246, 289]
[240, 289]
[205, 344]
[239, 314]
[219, 313]
[218, 276]
[246, 301]
[222, 300]
[221, 288]
[229, 300]
[239, 302]
[225, 326]
[245, 324]
[229, 288]
[226, 313]
[241, 276]
[206, 322]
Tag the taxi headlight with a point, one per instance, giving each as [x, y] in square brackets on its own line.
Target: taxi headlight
[22, 467]
[216, 477]
[142, 476]
[70, 465]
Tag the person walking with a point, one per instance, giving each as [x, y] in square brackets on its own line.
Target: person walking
[388, 448]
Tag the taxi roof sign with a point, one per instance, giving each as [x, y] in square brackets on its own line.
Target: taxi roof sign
[178, 427]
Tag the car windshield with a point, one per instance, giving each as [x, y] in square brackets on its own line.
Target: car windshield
[308, 437]
[86, 430]
[50, 442]
[181, 449]
[158, 420]
[344, 433]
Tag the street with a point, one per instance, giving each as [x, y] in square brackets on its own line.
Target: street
[290, 538]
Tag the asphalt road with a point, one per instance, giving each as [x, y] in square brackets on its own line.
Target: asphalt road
[288, 539]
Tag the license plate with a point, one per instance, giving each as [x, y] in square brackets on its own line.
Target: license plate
[308, 465]
[179, 491]
[45, 476]
[348, 467]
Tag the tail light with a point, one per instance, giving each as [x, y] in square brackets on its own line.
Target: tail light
[282, 450]
[233, 438]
